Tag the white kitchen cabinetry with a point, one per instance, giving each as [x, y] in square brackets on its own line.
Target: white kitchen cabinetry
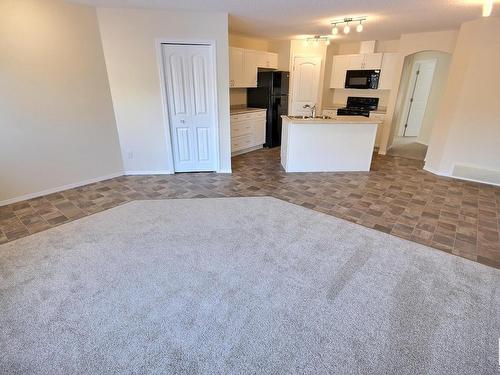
[236, 67]
[244, 64]
[367, 61]
[387, 63]
[250, 68]
[248, 131]
[388, 71]
[356, 62]
[340, 66]
[372, 61]
[268, 60]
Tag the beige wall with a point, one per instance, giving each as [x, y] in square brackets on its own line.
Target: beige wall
[238, 97]
[282, 48]
[57, 123]
[467, 128]
[247, 42]
[130, 39]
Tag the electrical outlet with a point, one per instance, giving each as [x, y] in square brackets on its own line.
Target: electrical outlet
[130, 155]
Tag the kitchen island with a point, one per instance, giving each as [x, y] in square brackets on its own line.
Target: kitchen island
[343, 143]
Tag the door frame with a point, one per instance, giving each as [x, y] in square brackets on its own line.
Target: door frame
[159, 42]
[409, 93]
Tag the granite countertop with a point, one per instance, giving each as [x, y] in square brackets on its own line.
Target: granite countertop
[380, 110]
[333, 121]
[235, 110]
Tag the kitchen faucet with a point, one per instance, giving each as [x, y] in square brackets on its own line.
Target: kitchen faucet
[312, 108]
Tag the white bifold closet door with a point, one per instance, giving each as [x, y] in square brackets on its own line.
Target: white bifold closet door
[190, 81]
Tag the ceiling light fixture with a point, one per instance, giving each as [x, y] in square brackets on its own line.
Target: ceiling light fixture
[316, 39]
[359, 28]
[487, 8]
[347, 27]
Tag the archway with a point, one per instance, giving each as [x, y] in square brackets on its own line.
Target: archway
[421, 88]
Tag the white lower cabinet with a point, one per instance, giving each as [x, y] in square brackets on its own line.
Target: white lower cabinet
[248, 131]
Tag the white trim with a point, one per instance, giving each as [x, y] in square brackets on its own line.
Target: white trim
[166, 124]
[59, 188]
[246, 150]
[459, 178]
[140, 173]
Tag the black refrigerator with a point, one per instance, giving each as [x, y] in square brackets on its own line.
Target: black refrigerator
[271, 93]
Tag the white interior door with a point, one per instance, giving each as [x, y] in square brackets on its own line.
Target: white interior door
[419, 90]
[189, 77]
[305, 84]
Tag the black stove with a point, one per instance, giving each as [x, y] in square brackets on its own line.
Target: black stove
[358, 106]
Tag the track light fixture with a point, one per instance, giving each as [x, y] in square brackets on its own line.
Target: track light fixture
[359, 28]
[347, 27]
[315, 40]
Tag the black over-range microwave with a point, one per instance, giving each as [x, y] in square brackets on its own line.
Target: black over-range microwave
[362, 79]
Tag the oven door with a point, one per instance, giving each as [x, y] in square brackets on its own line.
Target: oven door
[362, 79]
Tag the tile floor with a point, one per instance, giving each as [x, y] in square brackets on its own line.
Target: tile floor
[396, 197]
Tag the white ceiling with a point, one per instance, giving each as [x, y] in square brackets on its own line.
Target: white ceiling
[283, 19]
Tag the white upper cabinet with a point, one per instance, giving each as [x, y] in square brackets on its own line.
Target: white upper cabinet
[372, 61]
[366, 61]
[356, 62]
[244, 64]
[236, 67]
[339, 69]
[388, 71]
[267, 60]
[385, 62]
[273, 60]
[250, 68]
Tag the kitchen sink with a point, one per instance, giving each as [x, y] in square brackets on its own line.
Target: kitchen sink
[309, 117]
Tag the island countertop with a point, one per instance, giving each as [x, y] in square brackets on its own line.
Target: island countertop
[338, 144]
[336, 120]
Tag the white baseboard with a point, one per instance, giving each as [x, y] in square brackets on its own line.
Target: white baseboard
[459, 177]
[59, 188]
[141, 173]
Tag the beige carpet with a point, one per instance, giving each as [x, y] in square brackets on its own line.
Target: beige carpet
[413, 150]
[240, 286]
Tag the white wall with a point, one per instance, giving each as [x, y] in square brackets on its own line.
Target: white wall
[467, 128]
[57, 126]
[129, 40]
